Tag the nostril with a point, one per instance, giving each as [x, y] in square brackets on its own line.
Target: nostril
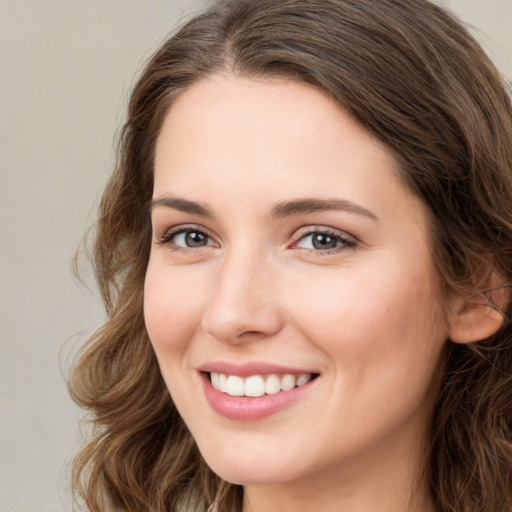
[249, 334]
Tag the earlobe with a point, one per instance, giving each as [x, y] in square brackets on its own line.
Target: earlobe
[477, 318]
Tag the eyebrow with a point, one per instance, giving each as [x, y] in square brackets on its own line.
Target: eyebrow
[284, 209]
[182, 205]
[311, 205]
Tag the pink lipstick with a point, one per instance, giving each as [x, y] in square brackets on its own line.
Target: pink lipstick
[253, 390]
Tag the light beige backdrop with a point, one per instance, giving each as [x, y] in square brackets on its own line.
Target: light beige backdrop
[65, 69]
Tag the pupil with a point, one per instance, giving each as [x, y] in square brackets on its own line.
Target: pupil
[195, 239]
[321, 241]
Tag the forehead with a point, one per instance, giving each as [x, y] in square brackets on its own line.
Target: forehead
[271, 138]
[251, 102]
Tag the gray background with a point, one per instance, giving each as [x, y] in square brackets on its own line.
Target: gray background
[65, 70]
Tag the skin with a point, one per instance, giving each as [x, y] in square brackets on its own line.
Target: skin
[365, 315]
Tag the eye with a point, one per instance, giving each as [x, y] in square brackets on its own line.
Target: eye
[323, 241]
[190, 239]
[183, 238]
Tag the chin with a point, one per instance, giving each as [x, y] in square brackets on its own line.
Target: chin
[256, 466]
[242, 474]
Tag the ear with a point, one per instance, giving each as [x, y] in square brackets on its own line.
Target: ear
[478, 316]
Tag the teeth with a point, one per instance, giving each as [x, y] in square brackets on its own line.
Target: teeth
[287, 382]
[254, 386]
[303, 379]
[235, 386]
[223, 383]
[257, 385]
[215, 380]
[272, 385]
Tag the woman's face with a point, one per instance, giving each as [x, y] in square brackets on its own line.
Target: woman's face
[286, 254]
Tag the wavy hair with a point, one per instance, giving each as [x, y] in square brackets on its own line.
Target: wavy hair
[416, 79]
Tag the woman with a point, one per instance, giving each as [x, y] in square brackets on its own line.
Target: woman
[305, 253]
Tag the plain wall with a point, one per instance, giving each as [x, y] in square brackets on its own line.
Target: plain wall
[65, 69]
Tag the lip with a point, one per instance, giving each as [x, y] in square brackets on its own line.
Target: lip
[251, 368]
[243, 408]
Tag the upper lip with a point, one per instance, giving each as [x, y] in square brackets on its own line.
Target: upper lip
[250, 368]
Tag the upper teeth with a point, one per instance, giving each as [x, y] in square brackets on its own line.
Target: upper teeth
[257, 385]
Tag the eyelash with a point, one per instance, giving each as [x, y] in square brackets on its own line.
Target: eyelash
[168, 237]
[345, 243]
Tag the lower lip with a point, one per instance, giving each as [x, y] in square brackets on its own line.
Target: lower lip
[244, 408]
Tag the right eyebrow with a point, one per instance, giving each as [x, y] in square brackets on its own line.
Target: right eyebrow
[183, 205]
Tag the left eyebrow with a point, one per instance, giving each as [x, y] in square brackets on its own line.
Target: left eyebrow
[311, 205]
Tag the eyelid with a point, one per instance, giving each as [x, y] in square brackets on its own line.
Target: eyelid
[170, 233]
[348, 241]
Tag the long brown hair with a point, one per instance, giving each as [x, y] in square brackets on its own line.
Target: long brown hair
[415, 78]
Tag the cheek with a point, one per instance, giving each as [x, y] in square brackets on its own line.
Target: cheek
[373, 316]
[172, 310]
[384, 337]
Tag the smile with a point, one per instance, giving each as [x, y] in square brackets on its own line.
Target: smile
[257, 385]
[253, 391]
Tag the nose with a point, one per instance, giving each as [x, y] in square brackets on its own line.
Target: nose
[243, 306]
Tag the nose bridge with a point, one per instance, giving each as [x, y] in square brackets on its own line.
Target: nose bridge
[243, 302]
